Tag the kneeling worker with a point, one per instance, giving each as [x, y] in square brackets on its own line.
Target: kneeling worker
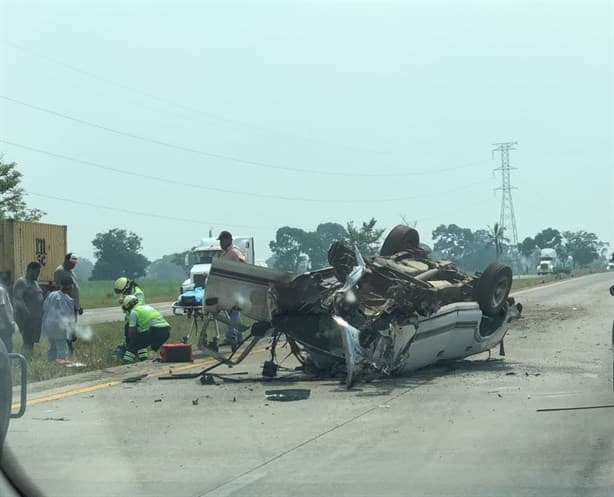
[124, 287]
[146, 328]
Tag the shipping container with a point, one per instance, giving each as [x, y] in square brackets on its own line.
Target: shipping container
[22, 242]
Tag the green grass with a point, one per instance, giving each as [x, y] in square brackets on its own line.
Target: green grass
[95, 294]
[96, 354]
[535, 280]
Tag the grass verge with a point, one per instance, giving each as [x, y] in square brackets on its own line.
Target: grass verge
[96, 294]
[97, 353]
[532, 281]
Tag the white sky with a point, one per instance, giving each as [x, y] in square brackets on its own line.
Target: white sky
[327, 104]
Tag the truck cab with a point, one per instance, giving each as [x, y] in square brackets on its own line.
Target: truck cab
[548, 262]
[201, 256]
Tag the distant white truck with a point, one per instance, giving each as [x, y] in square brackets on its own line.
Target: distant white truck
[550, 263]
[202, 254]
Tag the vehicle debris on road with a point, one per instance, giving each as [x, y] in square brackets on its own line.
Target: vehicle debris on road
[288, 394]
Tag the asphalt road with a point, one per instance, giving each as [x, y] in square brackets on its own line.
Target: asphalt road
[473, 428]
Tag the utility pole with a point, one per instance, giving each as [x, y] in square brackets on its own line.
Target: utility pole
[507, 219]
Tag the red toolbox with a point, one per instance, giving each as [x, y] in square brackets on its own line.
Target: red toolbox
[176, 352]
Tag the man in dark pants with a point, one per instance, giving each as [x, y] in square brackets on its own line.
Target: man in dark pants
[28, 299]
[64, 271]
[146, 328]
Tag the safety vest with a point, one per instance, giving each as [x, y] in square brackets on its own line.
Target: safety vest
[145, 317]
[138, 293]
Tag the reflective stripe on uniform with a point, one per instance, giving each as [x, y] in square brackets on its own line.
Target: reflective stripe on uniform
[129, 356]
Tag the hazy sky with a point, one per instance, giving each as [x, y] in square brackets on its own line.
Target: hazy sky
[306, 112]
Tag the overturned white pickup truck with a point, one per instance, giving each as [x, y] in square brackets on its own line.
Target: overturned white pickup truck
[384, 316]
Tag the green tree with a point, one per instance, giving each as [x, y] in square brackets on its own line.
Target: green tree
[549, 238]
[452, 242]
[12, 204]
[527, 247]
[366, 238]
[470, 250]
[583, 246]
[288, 249]
[331, 232]
[497, 239]
[315, 248]
[118, 254]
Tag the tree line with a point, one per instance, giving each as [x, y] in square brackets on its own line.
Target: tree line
[119, 252]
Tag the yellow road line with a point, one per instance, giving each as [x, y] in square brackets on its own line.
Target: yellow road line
[111, 383]
[69, 393]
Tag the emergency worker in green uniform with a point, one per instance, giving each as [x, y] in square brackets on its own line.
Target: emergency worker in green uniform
[146, 328]
[124, 287]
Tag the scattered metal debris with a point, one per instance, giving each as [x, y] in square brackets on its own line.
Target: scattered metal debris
[208, 380]
[51, 419]
[134, 378]
[195, 402]
[287, 394]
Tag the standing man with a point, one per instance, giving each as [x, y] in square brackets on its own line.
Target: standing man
[65, 271]
[232, 253]
[7, 319]
[28, 298]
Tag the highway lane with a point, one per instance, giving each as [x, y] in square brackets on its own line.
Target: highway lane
[469, 428]
[108, 314]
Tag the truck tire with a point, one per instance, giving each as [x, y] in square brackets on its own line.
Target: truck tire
[5, 392]
[493, 288]
[401, 237]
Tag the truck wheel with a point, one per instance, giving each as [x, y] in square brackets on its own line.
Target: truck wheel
[5, 392]
[401, 237]
[612, 290]
[493, 288]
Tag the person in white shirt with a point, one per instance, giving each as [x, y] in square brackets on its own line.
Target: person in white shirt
[231, 253]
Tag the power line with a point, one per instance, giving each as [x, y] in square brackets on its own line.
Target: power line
[233, 192]
[145, 214]
[244, 162]
[170, 102]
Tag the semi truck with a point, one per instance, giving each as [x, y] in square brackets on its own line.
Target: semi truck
[22, 242]
[551, 263]
[200, 257]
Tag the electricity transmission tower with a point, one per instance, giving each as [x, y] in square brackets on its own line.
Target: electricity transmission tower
[507, 219]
